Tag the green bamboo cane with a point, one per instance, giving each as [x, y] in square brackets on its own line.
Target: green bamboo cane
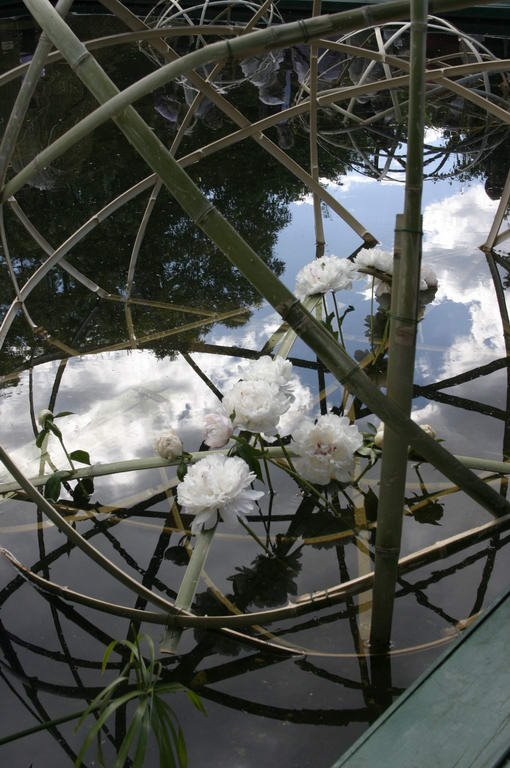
[314, 147]
[273, 38]
[154, 462]
[402, 343]
[327, 98]
[207, 89]
[188, 586]
[205, 215]
[28, 86]
[78, 540]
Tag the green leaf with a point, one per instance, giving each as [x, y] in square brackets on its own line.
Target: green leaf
[132, 731]
[250, 454]
[53, 428]
[62, 413]
[81, 456]
[182, 470]
[196, 700]
[53, 485]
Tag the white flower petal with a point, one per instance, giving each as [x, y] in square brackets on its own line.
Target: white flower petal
[329, 273]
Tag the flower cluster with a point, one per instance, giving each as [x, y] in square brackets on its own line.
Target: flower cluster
[217, 487]
[326, 448]
[329, 273]
[255, 403]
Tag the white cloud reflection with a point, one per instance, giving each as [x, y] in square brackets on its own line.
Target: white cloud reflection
[121, 401]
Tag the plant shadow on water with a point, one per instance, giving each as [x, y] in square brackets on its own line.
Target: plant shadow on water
[143, 327]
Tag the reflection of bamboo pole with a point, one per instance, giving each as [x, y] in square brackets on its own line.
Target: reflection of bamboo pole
[402, 342]
[213, 224]
[208, 89]
[302, 604]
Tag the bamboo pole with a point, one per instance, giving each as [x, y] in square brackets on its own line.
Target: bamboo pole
[28, 86]
[155, 462]
[402, 343]
[188, 587]
[205, 215]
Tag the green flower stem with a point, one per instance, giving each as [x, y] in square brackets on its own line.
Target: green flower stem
[266, 465]
[188, 586]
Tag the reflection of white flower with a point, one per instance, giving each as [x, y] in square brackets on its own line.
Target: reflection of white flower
[277, 370]
[169, 445]
[256, 405]
[218, 429]
[217, 486]
[428, 278]
[379, 435]
[375, 258]
[325, 449]
[329, 273]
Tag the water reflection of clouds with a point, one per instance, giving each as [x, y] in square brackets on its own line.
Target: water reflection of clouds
[123, 400]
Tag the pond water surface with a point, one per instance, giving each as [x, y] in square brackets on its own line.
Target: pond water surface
[125, 376]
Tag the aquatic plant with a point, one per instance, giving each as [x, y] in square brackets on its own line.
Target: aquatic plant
[153, 714]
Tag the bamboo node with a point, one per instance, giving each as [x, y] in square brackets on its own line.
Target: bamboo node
[388, 553]
[84, 55]
[402, 319]
[204, 213]
[409, 229]
[304, 28]
[351, 372]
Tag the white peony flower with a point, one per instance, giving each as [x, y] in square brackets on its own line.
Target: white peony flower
[329, 273]
[218, 429]
[379, 435]
[217, 486]
[277, 370]
[256, 405]
[169, 445]
[325, 449]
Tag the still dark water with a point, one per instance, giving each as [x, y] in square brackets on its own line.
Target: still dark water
[126, 375]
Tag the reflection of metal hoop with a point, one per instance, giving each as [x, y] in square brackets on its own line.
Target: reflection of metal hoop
[384, 157]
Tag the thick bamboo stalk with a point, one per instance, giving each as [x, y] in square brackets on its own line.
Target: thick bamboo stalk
[154, 462]
[229, 241]
[402, 343]
[28, 86]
